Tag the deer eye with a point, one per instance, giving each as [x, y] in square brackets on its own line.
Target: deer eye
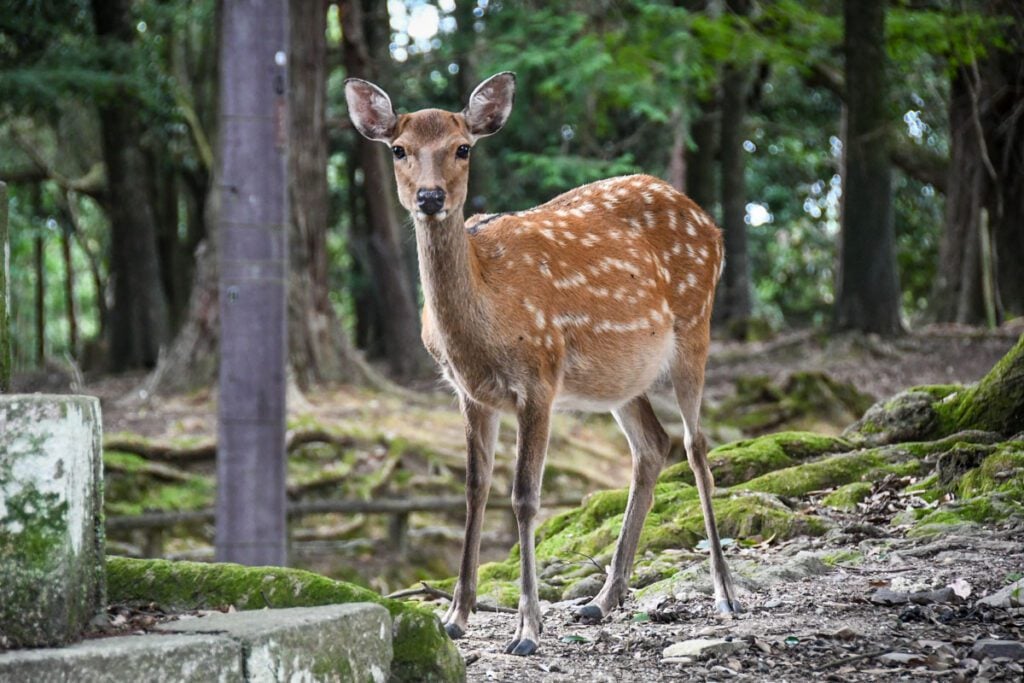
[462, 152]
[398, 151]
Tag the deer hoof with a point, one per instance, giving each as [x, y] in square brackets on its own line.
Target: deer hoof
[728, 606]
[521, 648]
[589, 614]
[454, 631]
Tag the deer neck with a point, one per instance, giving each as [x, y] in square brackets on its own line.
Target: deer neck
[452, 283]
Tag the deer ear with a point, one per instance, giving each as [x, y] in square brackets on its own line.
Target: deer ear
[370, 109]
[490, 105]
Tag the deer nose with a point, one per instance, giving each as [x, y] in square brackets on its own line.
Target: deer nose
[430, 201]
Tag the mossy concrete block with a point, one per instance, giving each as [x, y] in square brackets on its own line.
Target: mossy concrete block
[332, 643]
[150, 658]
[423, 652]
[51, 525]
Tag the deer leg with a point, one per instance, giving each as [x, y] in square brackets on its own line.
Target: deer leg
[481, 437]
[534, 425]
[649, 445]
[688, 382]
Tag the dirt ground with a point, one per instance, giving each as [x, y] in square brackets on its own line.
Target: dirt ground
[818, 627]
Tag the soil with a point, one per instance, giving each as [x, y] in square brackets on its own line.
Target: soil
[822, 627]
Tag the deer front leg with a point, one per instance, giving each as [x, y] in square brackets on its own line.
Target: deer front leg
[534, 425]
[481, 436]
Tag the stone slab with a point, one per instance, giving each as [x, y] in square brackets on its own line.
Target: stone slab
[51, 523]
[350, 642]
[140, 659]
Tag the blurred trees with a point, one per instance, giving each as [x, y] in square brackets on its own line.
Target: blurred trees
[109, 121]
[867, 288]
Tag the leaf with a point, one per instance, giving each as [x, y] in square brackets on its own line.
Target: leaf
[791, 641]
[573, 638]
[641, 617]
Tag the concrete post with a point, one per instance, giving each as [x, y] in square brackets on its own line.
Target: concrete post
[51, 518]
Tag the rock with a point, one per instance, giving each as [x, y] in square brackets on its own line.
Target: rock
[884, 596]
[587, 587]
[901, 659]
[51, 528]
[149, 658]
[908, 416]
[335, 642]
[703, 647]
[1006, 597]
[1010, 649]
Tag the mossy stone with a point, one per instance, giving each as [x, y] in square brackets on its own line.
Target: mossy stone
[51, 518]
[422, 650]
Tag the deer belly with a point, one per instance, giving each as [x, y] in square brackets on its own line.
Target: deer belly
[604, 379]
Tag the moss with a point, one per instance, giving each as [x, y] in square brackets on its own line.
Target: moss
[1000, 472]
[847, 496]
[741, 461]
[422, 651]
[825, 473]
[845, 556]
[994, 404]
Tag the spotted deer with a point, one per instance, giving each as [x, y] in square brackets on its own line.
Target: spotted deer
[579, 304]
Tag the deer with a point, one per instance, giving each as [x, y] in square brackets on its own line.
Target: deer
[581, 304]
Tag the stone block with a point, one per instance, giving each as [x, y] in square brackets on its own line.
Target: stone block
[51, 518]
[141, 659]
[350, 642]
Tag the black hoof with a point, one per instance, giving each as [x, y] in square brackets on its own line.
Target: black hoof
[728, 606]
[523, 648]
[589, 614]
[511, 645]
[454, 631]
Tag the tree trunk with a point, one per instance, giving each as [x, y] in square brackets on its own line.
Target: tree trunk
[191, 361]
[398, 316]
[39, 247]
[986, 172]
[253, 265]
[867, 289]
[69, 291]
[735, 298]
[5, 325]
[958, 270]
[138, 320]
[317, 344]
[700, 162]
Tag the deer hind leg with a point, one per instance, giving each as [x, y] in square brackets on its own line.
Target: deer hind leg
[649, 445]
[688, 382]
[481, 437]
[534, 426]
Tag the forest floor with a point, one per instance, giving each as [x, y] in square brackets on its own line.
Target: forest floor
[812, 622]
[811, 616]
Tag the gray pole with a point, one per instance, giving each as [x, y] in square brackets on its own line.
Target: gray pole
[252, 252]
[5, 327]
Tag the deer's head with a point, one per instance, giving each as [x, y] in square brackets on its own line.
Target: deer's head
[431, 147]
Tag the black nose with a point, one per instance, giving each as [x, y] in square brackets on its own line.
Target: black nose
[430, 201]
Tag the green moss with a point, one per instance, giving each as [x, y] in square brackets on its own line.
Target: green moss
[1000, 472]
[847, 496]
[845, 556]
[994, 404]
[737, 462]
[422, 651]
[825, 473]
